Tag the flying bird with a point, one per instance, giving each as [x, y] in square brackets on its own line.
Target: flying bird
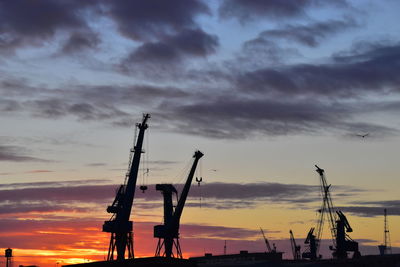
[362, 135]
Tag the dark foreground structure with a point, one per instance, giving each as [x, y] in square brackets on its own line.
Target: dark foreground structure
[139, 262]
[271, 260]
[248, 260]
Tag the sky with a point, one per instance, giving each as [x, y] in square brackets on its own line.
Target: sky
[265, 89]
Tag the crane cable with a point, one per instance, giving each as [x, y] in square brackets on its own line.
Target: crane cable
[145, 164]
[199, 179]
[131, 152]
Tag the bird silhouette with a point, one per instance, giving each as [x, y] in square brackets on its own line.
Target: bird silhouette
[362, 135]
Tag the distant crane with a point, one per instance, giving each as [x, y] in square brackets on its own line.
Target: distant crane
[338, 223]
[119, 225]
[295, 247]
[343, 241]
[327, 207]
[385, 248]
[269, 249]
[311, 246]
[168, 233]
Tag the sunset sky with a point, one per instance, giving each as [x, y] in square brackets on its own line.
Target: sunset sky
[265, 89]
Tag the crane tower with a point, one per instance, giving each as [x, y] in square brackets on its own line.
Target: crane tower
[120, 227]
[168, 233]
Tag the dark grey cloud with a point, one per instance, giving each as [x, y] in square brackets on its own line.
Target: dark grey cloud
[69, 183]
[374, 71]
[55, 108]
[84, 193]
[261, 116]
[17, 154]
[369, 211]
[43, 207]
[167, 53]
[249, 10]
[79, 41]
[102, 103]
[31, 23]
[8, 105]
[262, 51]
[37, 196]
[173, 48]
[309, 34]
[373, 208]
[218, 232]
[148, 20]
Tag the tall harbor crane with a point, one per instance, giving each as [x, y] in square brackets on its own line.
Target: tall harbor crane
[338, 224]
[295, 247]
[168, 233]
[269, 249]
[120, 227]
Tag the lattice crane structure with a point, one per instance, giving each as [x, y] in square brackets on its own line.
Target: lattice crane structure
[168, 233]
[339, 227]
[120, 227]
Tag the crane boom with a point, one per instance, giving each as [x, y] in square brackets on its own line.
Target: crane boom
[338, 223]
[119, 225]
[185, 191]
[168, 233]
[295, 247]
[266, 241]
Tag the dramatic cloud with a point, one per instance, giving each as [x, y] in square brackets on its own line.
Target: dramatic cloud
[373, 71]
[373, 208]
[27, 22]
[44, 207]
[65, 195]
[146, 20]
[85, 193]
[309, 34]
[174, 48]
[249, 10]
[79, 41]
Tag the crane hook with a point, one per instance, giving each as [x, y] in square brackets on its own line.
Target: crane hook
[199, 180]
[143, 188]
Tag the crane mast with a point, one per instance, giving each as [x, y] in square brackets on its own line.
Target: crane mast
[339, 226]
[327, 207]
[168, 233]
[119, 225]
[311, 246]
[295, 247]
[266, 241]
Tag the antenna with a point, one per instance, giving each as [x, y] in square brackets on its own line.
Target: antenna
[225, 248]
[385, 248]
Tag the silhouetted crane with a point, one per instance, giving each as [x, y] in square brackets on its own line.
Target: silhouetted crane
[119, 225]
[295, 247]
[269, 249]
[338, 226]
[168, 233]
[343, 242]
[311, 246]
